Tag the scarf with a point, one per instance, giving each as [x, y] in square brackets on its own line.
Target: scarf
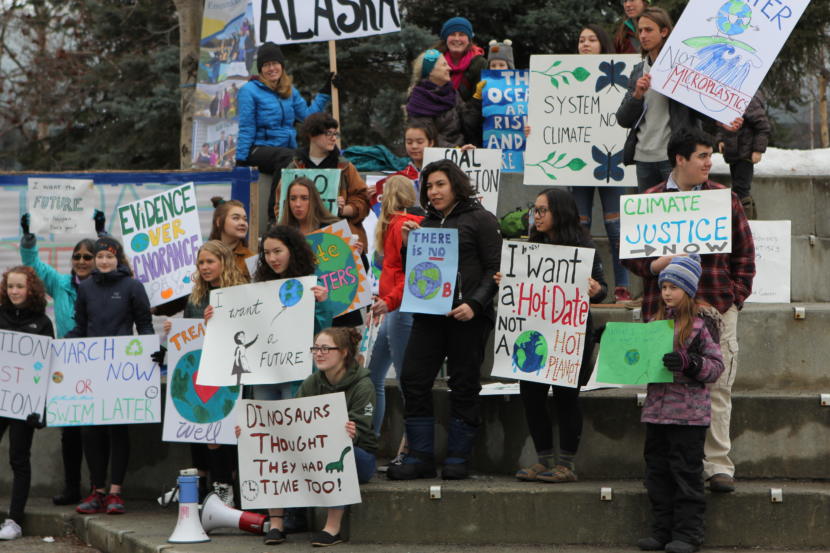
[430, 100]
[457, 69]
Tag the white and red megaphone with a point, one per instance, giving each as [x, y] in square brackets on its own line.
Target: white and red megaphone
[188, 528]
[215, 514]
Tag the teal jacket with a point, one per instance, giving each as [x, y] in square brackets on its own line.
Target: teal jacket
[58, 285]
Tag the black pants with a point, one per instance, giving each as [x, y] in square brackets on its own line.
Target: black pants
[20, 449]
[220, 462]
[568, 415]
[434, 338]
[674, 480]
[107, 445]
[742, 172]
[271, 160]
[73, 454]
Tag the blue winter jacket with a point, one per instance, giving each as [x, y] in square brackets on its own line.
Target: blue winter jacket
[60, 286]
[266, 119]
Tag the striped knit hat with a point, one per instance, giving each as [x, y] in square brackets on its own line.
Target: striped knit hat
[683, 272]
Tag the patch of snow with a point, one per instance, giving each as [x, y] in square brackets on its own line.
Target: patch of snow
[777, 162]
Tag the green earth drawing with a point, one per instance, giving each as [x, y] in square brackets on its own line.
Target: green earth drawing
[424, 280]
[200, 404]
[734, 17]
[530, 350]
[291, 292]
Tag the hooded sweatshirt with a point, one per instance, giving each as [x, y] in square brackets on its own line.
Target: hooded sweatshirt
[109, 304]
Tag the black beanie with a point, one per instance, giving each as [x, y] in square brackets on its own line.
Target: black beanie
[268, 52]
[106, 243]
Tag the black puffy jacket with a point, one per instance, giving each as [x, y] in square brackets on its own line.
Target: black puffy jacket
[109, 304]
[24, 320]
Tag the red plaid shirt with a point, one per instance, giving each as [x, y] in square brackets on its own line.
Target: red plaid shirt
[727, 277]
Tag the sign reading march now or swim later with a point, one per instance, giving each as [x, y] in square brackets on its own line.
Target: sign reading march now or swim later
[24, 373]
[290, 21]
[327, 182]
[259, 333]
[431, 271]
[772, 261]
[676, 223]
[482, 166]
[98, 381]
[574, 138]
[161, 237]
[192, 412]
[296, 453]
[61, 206]
[339, 268]
[504, 114]
[719, 52]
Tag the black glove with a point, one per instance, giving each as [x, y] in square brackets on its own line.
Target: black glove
[24, 223]
[674, 361]
[100, 222]
[158, 356]
[694, 363]
[34, 421]
[332, 80]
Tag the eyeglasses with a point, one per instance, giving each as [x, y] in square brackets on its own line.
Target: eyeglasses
[540, 211]
[84, 256]
[322, 349]
[332, 134]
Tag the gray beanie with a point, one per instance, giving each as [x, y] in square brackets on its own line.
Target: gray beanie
[501, 51]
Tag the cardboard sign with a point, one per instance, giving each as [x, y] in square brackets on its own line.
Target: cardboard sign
[259, 334]
[504, 114]
[161, 236]
[772, 261]
[575, 139]
[675, 223]
[482, 166]
[431, 271]
[542, 312]
[61, 206]
[632, 353]
[327, 182]
[195, 413]
[24, 373]
[290, 21]
[296, 453]
[719, 52]
[99, 381]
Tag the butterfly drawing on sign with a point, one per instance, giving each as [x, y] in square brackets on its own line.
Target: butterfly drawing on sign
[609, 164]
[612, 74]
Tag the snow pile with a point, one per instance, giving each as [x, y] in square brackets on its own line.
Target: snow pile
[777, 162]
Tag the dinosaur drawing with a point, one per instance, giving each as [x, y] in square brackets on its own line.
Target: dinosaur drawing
[338, 465]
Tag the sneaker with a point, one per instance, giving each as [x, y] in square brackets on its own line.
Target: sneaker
[168, 497]
[621, 294]
[556, 475]
[115, 505]
[677, 546]
[324, 539]
[274, 536]
[651, 544]
[722, 483]
[530, 473]
[10, 530]
[225, 493]
[94, 503]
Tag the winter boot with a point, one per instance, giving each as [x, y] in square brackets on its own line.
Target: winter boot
[749, 207]
[420, 461]
[460, 438]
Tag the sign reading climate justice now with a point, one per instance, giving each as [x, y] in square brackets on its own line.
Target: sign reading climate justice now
[482, 166]
[161, 237]
[431, 271]
[542, 312]
[675, 223]
[24, 373]
[60, 206]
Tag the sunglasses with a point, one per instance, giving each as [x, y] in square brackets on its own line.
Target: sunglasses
[84, 256]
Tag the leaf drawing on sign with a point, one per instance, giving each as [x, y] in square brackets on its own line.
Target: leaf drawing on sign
[337, 466]
[613, 75]
[240, 360]
[609, 164]
[580, 74]
[548, 164]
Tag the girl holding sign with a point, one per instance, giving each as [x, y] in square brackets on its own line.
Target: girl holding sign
[22, 309]
[230, 225]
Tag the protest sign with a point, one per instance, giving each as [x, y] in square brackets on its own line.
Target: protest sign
[259, 333]
[192, 412]
[632, 353]
[676, 223]
[106, 380]
[24, 373]
[290, 21]
[542, 312]
[327, 182]
[482, 166]
[772, 261]
[504, 114]
[575, 139]
[340, 268]
[296, 453]
[61, 206]
[431, 271]
[161, 237]
[719, 52]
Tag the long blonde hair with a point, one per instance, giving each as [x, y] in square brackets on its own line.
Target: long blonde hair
[684, 319]
[230, 275]
[398, 194]
[284, 84]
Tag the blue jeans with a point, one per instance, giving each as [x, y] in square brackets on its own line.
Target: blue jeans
[652, 173]
[389, 349]
[365, 463]
[610, 198]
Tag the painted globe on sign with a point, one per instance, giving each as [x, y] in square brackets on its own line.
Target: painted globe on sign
[424, 280]
[291, 292]
[530, 350]
[140, 242]
[208, 403]
[632, 356]
[335, 264]
[734, 17]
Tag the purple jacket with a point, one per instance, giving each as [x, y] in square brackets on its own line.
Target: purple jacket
[686, 400]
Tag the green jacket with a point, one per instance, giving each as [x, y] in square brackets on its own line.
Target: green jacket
[360, 401]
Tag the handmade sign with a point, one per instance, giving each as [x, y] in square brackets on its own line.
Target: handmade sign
[290, 21]
[675, 223]
[340, 268]
[327, 182]
[161, 237]
[504, 114]
[772, 261]
[99, 381]
[259, 333]
[192, 412]
[61, 206]
[482, 166]
[574, 138]
[296, 453]
[719, 52]
[24, 373]
[431, 271]
[542, 312]
[632, 353]
[370, 335]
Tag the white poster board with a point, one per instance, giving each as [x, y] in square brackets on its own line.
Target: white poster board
[574, 136]
[719, 52]
[482, 166]
[192, 412]
[61, 206]
[772, 261]
[24, 373]
[259, 334]
[296, 453]
[697, 221]
[542, 312]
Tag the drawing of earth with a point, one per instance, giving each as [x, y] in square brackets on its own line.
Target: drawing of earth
[530, 351]
[424, 280]
[734, 17]
[291, 292]
[632, 357]
[196, 403]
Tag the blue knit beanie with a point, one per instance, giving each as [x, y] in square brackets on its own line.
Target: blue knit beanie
[428, 63]
[683, 272]
[460, 24]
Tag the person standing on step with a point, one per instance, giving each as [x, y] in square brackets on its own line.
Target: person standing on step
[677, 413]
[626, 40]
[229, 225]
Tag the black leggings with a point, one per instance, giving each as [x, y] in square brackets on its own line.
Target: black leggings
[20, 449]
[72, 453]
[220, 462]
[105, 445]
[568, 415]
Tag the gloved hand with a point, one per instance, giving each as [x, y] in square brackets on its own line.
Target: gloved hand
[675, 361]
[479, 89]
[158, 356]
[100, 222]
[333, 79]
[24, 223]
[34, 421]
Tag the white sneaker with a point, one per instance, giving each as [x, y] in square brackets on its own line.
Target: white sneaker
[225, 493]
[10, 530]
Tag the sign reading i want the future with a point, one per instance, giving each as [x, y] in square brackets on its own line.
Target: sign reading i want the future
[431, 271]
[504, 114]
[61, 206]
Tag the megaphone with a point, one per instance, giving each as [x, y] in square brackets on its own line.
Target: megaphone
[215, 514]
[189, 527]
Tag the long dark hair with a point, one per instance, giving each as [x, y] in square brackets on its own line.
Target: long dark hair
[605, 44]
[301, 262]
[566, 230]
[459, 181]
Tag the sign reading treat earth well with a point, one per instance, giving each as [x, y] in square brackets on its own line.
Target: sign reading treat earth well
[431, 270]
